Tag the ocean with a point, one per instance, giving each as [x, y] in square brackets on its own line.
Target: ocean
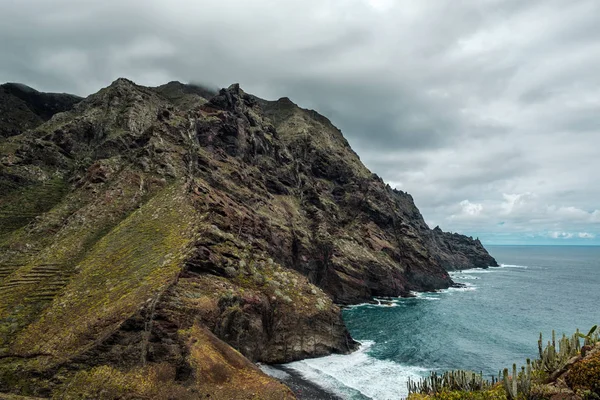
[491, 323]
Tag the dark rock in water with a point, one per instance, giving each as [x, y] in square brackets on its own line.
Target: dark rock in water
[147, 231]
[458, 285]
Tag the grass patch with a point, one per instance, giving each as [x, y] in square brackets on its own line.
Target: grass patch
[20, 207]
[127, 267]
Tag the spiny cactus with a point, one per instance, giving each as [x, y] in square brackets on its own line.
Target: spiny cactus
[525, 378]
[553, 358]
[518, 385]
[510, 383]
[450, 380]
[591, 338]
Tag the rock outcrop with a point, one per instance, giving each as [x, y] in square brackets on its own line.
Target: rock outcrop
[454, 251]
[146, 230]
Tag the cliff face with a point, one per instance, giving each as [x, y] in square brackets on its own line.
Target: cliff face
[149, 229]
[22, 107]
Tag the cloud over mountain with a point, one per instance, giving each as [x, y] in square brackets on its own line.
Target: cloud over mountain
[485, 111]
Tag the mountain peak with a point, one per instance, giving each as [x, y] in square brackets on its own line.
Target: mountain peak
[233, 99]
[286, 101]
[185, 95]
[234, 87]
[122, 82]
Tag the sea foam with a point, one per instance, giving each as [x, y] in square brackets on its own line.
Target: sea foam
[513, 266]
[358, 375]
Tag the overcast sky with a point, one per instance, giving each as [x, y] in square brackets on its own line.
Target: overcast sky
[486, 111]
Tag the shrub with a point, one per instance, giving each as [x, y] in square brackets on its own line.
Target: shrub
[585, 375]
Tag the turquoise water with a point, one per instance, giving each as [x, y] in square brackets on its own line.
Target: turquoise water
[486, 326]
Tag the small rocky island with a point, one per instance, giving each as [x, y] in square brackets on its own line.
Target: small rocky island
[155, 242]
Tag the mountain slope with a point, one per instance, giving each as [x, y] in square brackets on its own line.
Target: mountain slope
[22, 107]
[146, 230]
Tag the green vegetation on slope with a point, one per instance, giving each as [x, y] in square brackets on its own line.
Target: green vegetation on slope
[21, 206]
[129, 266]
[38, 261]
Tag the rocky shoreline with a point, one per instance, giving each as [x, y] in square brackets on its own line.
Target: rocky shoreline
[302, 388]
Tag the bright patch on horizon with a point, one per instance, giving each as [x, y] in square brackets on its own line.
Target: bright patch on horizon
[571, 235]
[586, 235]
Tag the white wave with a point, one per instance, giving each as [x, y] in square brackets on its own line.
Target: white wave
[426, 295]
[429, 296]
[467, 277]
[386, 303]
[358, 375]
[467, 288]
[477, 271]
[513, 266]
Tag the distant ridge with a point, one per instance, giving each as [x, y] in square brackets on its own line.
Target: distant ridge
[22, 107]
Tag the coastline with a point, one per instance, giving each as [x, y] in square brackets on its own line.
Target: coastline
[303, 388]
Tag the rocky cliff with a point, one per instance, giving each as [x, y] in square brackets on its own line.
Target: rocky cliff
[148, 232]
[455, 251]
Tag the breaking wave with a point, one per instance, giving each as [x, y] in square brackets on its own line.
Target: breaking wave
[358, 375]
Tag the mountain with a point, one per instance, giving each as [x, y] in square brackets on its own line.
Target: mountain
[22, 107]
[154, 241]
[185, 96]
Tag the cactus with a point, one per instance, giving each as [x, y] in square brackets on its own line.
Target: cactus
[518, 385]
[590, 339]
[525, 379]
[451, 380]
[510, 383]
[553, 358]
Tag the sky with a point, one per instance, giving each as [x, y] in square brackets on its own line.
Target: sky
[486, 111]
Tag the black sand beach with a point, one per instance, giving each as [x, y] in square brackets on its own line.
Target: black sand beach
[302, 388]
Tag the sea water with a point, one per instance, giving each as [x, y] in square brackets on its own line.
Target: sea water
[491, 323]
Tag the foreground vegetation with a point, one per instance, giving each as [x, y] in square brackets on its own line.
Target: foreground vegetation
[566, 369]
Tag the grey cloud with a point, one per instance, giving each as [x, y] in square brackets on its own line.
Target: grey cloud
[450, 100]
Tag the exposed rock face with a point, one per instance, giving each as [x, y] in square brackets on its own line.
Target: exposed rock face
[454, 251]
[22, 107]
[144, 228]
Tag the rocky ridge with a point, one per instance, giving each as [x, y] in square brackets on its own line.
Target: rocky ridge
[22, 107]
[148, 231]
[455, 251]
